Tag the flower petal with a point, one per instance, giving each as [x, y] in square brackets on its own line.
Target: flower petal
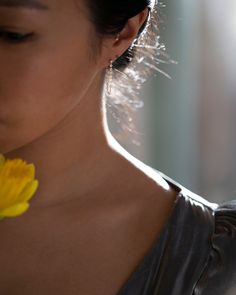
[2, 160]
[17, 186]
[15, 210]
[10, 190]
[31, 170]
[28, 191]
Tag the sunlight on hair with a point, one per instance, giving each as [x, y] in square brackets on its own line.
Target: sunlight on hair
[114, 144]
[149, 52]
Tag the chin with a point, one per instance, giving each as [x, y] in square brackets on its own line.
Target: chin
[9, 143]
[6, 147]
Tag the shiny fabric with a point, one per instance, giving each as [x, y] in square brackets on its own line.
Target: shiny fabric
[195, 252]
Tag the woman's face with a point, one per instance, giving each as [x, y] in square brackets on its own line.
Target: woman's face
[45, 66]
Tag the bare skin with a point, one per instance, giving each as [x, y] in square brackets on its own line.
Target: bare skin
[95, 213]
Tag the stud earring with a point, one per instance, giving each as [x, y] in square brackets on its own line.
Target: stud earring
[118, 37]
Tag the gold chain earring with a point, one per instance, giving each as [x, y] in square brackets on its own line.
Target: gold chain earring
[110, 72]
[109, 77]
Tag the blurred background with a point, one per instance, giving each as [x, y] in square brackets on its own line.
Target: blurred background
[188, 121]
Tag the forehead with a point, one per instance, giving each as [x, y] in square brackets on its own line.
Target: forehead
[40, 4]
[51, 13]
[32, 4]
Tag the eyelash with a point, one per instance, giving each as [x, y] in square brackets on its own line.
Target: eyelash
[15, 37]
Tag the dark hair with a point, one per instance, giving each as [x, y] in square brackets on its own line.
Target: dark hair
[137, 63]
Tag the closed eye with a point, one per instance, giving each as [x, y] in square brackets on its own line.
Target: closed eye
[15, 37]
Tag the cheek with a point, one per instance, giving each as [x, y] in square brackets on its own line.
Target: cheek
[39, 92]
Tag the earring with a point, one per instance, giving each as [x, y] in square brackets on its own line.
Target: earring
[109, 77]
[110, 71]
[118, 37]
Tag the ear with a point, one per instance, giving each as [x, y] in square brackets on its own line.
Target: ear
[113, 48]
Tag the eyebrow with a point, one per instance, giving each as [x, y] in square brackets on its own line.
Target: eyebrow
[31, 4]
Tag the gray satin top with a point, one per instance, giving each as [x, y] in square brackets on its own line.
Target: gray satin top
[195, 254]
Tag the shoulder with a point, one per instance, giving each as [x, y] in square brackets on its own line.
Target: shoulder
[218, 273]
[203, 245]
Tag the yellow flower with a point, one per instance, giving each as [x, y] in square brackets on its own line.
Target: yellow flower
[17, 186]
